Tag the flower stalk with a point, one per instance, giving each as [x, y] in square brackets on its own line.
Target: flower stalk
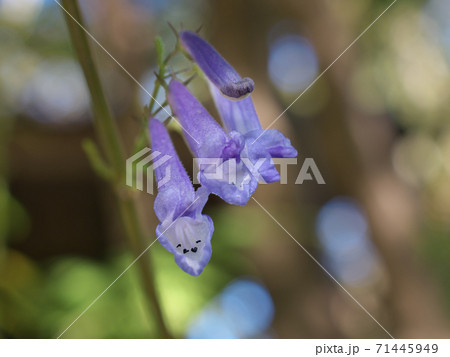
[111, 145]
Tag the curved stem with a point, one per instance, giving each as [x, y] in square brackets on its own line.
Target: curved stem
[111, 144]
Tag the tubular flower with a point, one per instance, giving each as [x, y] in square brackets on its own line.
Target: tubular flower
[237, 115]
[232, 165]
[184, 231]
[241, 117]
[218, 71]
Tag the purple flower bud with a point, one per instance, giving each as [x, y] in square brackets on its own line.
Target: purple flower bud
[214, 66]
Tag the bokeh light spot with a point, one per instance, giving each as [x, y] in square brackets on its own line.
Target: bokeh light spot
[292, 63]
[243, 310]
[20, 11]
[57, 93]
[343, 232]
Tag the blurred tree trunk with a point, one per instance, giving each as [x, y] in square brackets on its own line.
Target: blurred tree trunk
[352, 168]
[392, 208]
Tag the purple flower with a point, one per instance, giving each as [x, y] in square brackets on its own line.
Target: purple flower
[218, 71]
[184, 231]
[237, 115]
[241, 116]
[232, 164]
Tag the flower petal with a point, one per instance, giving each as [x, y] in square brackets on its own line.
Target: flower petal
[230, 180]
[175, 191]
[274, 141]
[239, 115]
[235, 176]
[189, 239]
[204, 135]
[261, 164]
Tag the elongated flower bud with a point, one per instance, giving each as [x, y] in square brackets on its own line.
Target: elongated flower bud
[215, 67]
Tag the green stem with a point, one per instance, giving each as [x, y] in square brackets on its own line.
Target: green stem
[161, 107]
[111, 144]
[105, 127]
[131, 221]
[161, 72]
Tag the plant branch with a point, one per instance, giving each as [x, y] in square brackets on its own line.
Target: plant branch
[111, 144]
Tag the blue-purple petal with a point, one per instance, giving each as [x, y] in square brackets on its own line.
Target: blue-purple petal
[177, 192]
[261, 161]
[274, 141]
[239, 115]
[235, 193]
[204, 135]
[194, 251]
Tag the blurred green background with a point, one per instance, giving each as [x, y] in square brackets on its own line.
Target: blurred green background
[376, 124]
